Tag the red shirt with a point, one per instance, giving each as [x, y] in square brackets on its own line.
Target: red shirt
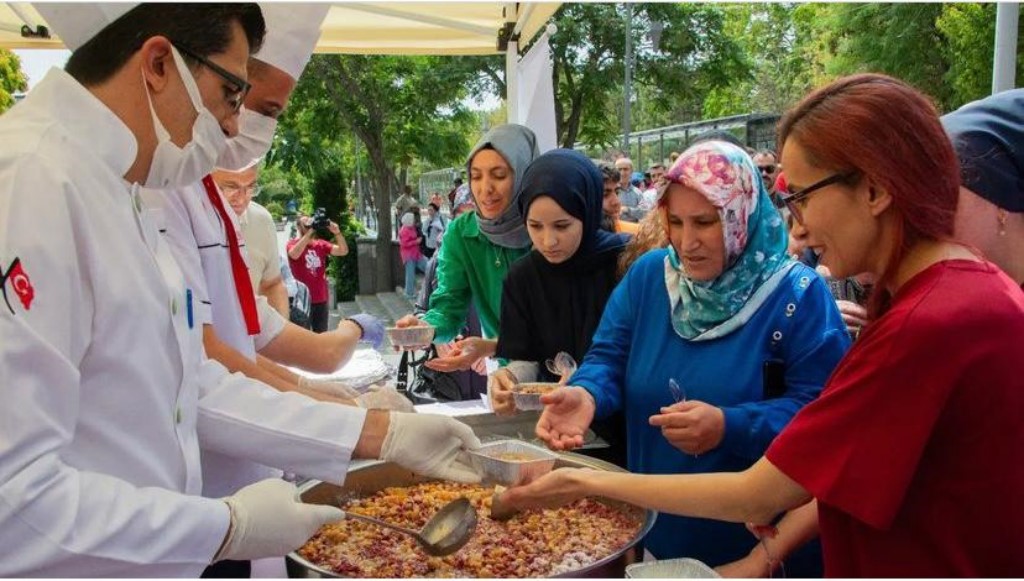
[311, 268]
[915, 449]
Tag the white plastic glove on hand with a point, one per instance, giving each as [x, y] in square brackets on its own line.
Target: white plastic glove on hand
[335, 388]
[385, 398]
[431, 445]
[269, 520]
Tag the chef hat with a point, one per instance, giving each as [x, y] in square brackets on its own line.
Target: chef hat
[77, 22]
[988, 136]
[292, 31]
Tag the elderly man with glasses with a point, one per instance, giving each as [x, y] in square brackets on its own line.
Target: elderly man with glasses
[258, 234]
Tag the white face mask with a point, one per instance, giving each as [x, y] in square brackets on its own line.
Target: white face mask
[255, 136]
[174, 166]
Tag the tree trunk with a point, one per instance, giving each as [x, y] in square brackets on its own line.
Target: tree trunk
[572, 125]
[385, 186]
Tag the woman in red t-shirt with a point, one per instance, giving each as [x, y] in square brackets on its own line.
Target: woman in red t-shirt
[913, 449]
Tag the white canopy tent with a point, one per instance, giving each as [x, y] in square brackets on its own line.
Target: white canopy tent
[455, 28]
[438, 28]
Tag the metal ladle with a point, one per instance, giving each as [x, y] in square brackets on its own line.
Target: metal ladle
[446, 532]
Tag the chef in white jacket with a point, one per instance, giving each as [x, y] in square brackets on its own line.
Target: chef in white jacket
[198, 224]
[205, 239]
[107, 395]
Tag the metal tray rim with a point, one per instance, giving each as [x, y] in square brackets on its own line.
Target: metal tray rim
[581, 461]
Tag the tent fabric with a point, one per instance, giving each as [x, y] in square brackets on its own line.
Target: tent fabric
[441, 28]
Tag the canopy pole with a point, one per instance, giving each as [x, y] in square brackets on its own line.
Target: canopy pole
[524, 18]
[511, 68]
[512, 82]
[10, 28]
[1004, 63]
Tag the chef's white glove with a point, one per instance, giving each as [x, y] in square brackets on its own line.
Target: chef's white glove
[431, 445]
[269, 520]
[335, 388]
[385, 398]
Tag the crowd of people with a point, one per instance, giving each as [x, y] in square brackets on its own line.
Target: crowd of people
[822, 333]
[749, 350]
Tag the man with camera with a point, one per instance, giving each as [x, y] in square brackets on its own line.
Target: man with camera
[307, 257]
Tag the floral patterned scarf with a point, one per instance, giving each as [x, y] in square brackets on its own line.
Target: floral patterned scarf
[755, 244]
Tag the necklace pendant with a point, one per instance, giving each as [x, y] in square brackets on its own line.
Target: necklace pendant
[497, 263]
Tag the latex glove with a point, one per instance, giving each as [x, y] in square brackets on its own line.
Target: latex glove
[334, 388]
[695, 427]
[385, 398]
[431, 445]
[373, 328]
[268, 520]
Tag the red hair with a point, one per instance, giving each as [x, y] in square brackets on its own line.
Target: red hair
[890, 134]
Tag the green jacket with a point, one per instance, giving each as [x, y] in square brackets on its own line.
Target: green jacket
[469, 267]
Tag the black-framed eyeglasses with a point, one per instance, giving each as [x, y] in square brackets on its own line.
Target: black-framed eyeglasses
[239, 86]
[797, 200]
[767, 168]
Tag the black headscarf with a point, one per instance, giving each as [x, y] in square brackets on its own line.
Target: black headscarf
[574, 182]
[547, 308]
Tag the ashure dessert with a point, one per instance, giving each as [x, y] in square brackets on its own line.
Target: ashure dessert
[534, 543]
[535, 388]
[516, 457]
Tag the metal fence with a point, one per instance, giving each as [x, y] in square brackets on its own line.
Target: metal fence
[756, 130]
[440, 181]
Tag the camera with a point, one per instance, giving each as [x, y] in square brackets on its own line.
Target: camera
[321, 224]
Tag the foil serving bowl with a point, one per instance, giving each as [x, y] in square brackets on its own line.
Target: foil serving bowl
[671, 569]
[410, 336]
[510, 462]
[531, 401]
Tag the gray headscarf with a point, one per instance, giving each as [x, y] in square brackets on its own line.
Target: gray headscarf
[518, 145]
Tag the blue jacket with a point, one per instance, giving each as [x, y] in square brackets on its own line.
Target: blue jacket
[635, 351]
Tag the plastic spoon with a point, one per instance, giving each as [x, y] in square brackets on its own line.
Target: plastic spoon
[678, 393]
[563, 366]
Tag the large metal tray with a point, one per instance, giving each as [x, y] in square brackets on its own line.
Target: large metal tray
[371, 477]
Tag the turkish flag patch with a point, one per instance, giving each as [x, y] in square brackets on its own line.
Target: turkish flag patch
[17, 279]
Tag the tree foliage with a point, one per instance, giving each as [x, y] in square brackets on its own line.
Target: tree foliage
[777, 42]
[945, 50]
[12, 79]
[399, 108]
[693, 57]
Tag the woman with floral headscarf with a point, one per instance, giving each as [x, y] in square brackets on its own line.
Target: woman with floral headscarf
[479, 247]
[746, 334]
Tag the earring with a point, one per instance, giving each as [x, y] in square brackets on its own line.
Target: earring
[1001, 216]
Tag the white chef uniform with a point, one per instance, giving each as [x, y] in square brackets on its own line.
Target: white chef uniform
[199, 241]
[107, 394]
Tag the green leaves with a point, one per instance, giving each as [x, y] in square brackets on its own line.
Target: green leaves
[12, 79]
